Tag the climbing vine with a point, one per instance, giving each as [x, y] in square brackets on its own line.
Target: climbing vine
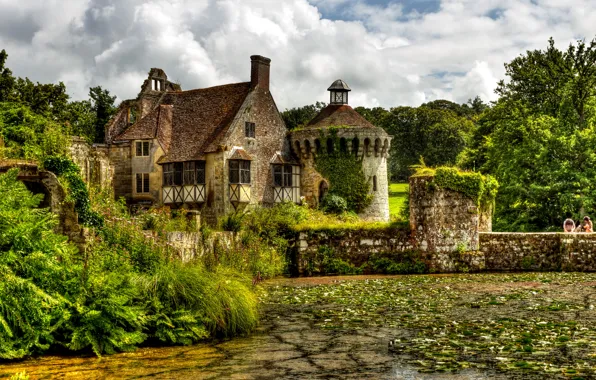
[344, 173]
[68, 170]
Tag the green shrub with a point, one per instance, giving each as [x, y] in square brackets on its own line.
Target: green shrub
[123, 290]
[334, 204]
[408, 262]
[326, 261]
[77, 189]
[232, 222]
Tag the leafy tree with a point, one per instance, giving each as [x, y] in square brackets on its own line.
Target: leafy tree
[373, 115]
[553, 82]
[300, 116]
[29, 135]
[437, 135]
[81, 117]
[7, 81]
[537, 140]
[44, 99]
[103, 106]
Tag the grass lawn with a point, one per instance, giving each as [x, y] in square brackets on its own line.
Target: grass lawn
[530, 325]
[397, 197]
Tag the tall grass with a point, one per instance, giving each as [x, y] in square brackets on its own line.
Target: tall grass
[125, 289]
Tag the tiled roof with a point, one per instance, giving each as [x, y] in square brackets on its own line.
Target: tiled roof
[240, 154]
[279, 158]
[142, 129]
[338, 115]
[193, 122]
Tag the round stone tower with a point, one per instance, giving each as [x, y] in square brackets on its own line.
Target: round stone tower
[338, 128]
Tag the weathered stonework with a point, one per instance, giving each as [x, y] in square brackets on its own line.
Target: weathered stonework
[94, 161]
[370, 144]
[539, 251]
[443, 220]
[46, 183]
[192, 245]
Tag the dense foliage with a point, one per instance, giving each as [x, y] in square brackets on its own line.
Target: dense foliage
[481, 188]
[123, 291]
[50, 103]
[300, 116]
[65, 168]
[437, 134]
[538, 139]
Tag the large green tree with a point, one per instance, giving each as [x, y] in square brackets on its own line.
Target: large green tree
[6, 79]
[436, 135]
[300, 116]
[538, 140]
[103, 107]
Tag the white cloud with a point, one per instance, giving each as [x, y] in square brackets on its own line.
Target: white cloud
[388, 56]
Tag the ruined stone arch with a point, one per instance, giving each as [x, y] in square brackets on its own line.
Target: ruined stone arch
[323, 190]
[318, 147]
[297, 147]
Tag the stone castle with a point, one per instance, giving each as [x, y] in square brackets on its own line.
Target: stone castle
[219, 149]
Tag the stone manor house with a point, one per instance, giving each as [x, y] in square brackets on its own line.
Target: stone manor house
[222, 148]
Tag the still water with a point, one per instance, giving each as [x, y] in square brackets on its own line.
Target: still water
[286, 345]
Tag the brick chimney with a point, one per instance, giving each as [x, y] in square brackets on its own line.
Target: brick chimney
[259, 71]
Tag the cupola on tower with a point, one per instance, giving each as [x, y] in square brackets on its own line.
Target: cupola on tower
[339, 128]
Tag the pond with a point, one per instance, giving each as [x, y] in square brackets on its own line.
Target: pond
[441, 327]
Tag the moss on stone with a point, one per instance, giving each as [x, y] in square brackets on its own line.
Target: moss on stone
[481, 188]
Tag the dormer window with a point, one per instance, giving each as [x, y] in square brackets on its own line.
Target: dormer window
[142, 148]
[249, 129]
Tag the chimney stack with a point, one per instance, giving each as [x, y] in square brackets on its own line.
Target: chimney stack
[259, 71]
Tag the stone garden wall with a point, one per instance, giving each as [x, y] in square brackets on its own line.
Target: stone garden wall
[449, 234]
[498, 251]
[192, 245]
[509, 251]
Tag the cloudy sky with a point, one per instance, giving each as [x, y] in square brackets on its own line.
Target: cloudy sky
[402, 52]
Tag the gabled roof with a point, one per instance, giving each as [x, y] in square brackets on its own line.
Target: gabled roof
[338, 115]
[194, 122]
[239, 154]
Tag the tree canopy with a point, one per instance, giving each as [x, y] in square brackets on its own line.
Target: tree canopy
[538, 139]
[86, 118]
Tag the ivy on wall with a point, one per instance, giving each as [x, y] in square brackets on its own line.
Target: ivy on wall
[344, 172]
[65, 168]
[482, 189]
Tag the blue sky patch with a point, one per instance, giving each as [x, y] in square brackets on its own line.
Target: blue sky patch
[341, 11]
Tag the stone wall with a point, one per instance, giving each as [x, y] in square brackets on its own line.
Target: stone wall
[93, 160]
[355, 246]
[192, 245]
[443, 220]
[359, 246]
[507, 251]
